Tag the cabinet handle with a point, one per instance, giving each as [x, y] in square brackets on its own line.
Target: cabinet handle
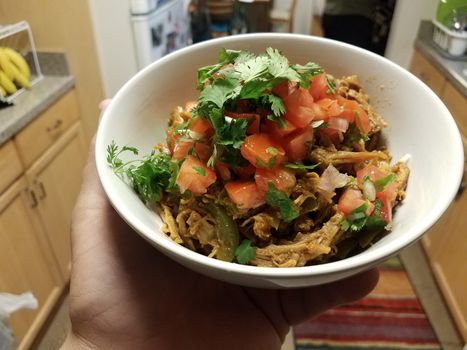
[33, 199]
[42, 193]
[56, 125]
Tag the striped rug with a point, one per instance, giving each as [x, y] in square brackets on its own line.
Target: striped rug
[390, 318]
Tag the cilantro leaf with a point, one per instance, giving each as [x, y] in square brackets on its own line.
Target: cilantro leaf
[232, 133]
[306, 72]
[281, 201]
[252, 68]
[331, 84]
[221, 90]
[275, 103]
[245, 252]
[279, 66]
[300, 166]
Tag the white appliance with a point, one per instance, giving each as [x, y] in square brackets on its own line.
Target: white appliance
[126, 34]
[159, 27]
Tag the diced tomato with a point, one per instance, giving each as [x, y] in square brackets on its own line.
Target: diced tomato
[372, 171]
[386, 210]
[223, 170]
[353, 112]
[319, 112]
[387, 196]
[335, 136]
[318, 87]
[283, 179]
[363, 121]
[171, 139]
[181, 149]
[253, 120]
[351, 199]
[284, 89]
[298, 108]
[330, 106]
[202, 127]
[262, 151]
[296, 144]
[244, 194]
[245, 172]
[203, 151]
[195, 176]
[276, 131]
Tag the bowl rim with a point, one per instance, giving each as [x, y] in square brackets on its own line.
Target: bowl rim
[365, 259]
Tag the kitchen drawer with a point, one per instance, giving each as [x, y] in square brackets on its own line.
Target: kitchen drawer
[10, 165]
[427, 72]
[47, 128]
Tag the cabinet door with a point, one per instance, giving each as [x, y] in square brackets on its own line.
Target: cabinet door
[446, 243]
[56, 177]
[26, 263]
[427, 73]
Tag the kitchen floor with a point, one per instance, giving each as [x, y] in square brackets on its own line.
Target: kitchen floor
[414, 262]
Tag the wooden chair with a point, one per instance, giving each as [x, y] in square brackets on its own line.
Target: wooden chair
[282, 13]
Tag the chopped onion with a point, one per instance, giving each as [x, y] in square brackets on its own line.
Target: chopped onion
[316, 123]
[194, 135]
[369, 190]
[332, 179]
[339, 124]
[228, 119]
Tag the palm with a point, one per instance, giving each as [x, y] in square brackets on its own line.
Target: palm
[124, 294]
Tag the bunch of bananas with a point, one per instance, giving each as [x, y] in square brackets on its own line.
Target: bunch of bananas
[14, 72]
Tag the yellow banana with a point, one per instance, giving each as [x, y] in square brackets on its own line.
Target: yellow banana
[18, 60]
[6, 83]
[22, 80]
[2, 92]
[6, 65]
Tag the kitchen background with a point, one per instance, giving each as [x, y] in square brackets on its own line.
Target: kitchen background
[87, 50]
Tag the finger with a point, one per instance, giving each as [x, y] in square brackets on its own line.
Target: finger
[299, 305]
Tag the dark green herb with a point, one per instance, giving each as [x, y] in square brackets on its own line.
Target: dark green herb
[382, 183]
[300, 166]
[245, 252]
[281, 201]
[153, 174]
[199, 170]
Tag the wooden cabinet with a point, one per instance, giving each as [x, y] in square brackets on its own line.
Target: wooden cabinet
[40, 177]
[446, 243]
[427, 72]
[26, 260]
[56, 179]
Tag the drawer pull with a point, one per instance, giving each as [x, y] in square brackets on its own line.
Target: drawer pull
[54, 127]
[33, 199]
[42, 193]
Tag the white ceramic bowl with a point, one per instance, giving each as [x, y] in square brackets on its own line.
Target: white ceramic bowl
[419, 125]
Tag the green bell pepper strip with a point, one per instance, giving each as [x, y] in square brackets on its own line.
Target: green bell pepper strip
[227, 233]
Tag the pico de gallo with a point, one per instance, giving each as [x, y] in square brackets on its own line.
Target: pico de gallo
[275, 164]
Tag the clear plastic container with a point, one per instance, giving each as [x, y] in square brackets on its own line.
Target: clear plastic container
[18, 36]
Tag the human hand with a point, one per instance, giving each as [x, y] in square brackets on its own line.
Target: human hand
[124, 294]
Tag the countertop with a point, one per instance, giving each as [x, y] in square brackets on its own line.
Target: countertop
[454, 70]
[30, 104]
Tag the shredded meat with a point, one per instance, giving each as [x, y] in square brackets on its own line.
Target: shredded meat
[336, 158]
[263, 223]
[302, 249]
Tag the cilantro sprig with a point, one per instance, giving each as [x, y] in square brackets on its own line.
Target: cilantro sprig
[152, 175]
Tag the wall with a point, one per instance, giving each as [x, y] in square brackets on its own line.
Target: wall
[64, 25]
[113, 32]
[404, 28]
